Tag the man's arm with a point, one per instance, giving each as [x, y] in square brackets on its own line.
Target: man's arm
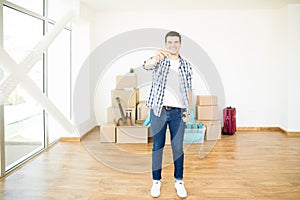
[190, 99]
[150, 63]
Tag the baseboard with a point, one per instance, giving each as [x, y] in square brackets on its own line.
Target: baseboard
[268, 129]
[78, 139]
[239, 129]
[259, 129]
[291, 133]
[70, 139]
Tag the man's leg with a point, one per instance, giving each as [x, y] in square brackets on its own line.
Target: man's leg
[177, 132]
[158, 127]
[177, 127]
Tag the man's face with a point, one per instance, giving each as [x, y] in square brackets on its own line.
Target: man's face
[173, 44]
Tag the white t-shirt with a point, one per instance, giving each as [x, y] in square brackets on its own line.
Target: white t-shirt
[173, 95]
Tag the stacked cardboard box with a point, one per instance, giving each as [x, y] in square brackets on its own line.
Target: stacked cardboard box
[113, 114]
[129, 81]
[132, 134]
[128, 94]
[142, 111]
[107, 132]
[208, 114]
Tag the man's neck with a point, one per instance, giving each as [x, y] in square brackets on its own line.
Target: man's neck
[174, 56]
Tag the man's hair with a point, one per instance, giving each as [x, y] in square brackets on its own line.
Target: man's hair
[173, 33]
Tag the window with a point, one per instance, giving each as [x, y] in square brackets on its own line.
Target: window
[24, 130]
[22, 118]
[32, 5]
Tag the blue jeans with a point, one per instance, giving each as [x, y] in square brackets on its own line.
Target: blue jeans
[173, 118]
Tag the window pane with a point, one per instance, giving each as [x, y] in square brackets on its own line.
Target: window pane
[59, 80]
[24, 126]
[32, 5]
[59, 8]
[21, 33]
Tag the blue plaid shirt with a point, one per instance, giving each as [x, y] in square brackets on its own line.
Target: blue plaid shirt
[159, 79]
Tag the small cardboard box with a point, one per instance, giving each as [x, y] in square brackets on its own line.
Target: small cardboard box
[126, 81]
[213, 130]
[207, 113]
[132, 134]
[142, 111]
[108, 132]
[114, 114]
[207, 100]
[128, 98]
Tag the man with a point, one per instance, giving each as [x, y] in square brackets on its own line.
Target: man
[169, 100]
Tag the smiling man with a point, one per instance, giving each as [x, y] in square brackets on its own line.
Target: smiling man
[169, 101]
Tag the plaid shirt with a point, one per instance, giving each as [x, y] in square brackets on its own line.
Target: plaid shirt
[159, 79]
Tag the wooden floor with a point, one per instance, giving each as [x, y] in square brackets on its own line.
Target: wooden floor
[244, 166]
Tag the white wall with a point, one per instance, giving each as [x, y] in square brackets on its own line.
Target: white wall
[245, 45]
[81, 49]
[294, 68]
[248, 47]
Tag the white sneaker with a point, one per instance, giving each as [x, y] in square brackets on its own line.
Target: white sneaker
[181, 191]
[155, 190]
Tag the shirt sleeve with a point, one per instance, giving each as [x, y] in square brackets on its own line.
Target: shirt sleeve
[150, 64]
[189, 76]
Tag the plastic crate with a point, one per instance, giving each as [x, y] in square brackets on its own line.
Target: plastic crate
[194, 133]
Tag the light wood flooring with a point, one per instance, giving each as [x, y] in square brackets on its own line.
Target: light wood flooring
[260, 165]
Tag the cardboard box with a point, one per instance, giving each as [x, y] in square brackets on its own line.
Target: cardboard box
[132, 134]
[111, 114]
[207, 113]
[128, 98]
[207, 100]
[149, 132]
[142, 111]
[114, 114]
[108, 132]
[126, 81]
[213, 129]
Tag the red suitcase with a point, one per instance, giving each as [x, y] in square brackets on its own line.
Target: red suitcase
[229, 120]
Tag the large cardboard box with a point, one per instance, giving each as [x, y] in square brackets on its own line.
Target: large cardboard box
[213, 129]
[111, 114]
[142, 111]
[114, 114]
[108, 132]
[207, 113]
[132, 134]
[207, 100]
[128, 98]
[126, 81]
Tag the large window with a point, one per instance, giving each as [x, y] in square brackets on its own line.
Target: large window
[23, 120]
[32, 5]
[24, 131]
